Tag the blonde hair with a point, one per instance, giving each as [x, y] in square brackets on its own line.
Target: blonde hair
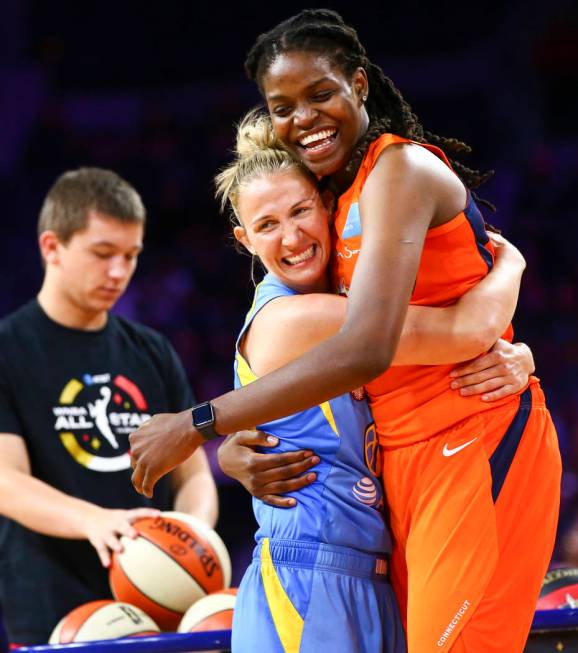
[258, 152]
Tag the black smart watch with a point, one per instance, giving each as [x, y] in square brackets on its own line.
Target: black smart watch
[203, 418]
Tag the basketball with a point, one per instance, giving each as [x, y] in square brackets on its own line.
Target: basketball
[212, 612]
[559, 589]
[175, 560]
[102, 620]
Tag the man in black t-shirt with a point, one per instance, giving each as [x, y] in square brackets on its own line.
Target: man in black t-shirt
[74, 382]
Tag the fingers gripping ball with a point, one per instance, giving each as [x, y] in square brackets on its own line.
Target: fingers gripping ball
[175, 560]
[212, 612]
[102, 620]
[559, 589]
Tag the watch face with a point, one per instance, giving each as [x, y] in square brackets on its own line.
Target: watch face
[203, 414]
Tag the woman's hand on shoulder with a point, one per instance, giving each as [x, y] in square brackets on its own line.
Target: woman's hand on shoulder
[503, 371]
[505, 248]
[266, 476]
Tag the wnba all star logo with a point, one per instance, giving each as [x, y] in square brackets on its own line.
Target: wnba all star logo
[94, 418]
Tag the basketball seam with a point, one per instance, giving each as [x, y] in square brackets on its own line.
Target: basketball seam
[144, 632]
[207, 617]
[212, 537]
[201, 585]
[201, 623]
[86, 625]
[70, 638]
[140, 591]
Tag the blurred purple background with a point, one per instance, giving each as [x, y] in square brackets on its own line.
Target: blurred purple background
[152, 90]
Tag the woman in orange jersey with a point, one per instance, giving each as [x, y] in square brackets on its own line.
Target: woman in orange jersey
[459, 473]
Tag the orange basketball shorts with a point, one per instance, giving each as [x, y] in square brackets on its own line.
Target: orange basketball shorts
[473, 512]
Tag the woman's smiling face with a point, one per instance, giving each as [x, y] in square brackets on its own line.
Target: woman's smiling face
[316, 110]
[286, 224]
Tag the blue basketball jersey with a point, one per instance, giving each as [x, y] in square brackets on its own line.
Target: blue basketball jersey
[344, 505]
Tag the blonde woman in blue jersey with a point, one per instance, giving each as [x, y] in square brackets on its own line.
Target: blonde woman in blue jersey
[319, 576]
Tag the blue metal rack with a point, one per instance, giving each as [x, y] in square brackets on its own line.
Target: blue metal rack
[545, 621]
[216, 640]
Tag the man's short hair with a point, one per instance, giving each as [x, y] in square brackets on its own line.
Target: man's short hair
[76, 192]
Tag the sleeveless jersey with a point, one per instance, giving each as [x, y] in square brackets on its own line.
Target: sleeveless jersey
[413, 402]
[344, 505]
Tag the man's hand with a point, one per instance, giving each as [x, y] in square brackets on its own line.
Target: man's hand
[104, 528]
[503, 371]
[159, 445]
[266, 475]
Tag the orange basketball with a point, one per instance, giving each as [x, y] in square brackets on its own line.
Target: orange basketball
[175, 560]
[102, 620]
[213, 612]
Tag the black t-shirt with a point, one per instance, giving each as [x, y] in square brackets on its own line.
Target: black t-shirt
[74, 396]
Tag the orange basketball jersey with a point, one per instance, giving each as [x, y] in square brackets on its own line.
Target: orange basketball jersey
[413, 402]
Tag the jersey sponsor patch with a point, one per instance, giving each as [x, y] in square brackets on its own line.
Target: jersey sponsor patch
[365, 491]
[353, 223]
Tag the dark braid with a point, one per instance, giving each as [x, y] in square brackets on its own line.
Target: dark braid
[324, 31]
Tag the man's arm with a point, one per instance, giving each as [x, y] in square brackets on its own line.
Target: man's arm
[44, 509]
[195, 489]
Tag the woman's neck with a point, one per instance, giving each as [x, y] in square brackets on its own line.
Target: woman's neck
[342, 179]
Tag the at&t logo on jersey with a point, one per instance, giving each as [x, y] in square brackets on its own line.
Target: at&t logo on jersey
[94, 418]
[365, 491]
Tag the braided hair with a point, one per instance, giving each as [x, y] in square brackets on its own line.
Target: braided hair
[324, 31]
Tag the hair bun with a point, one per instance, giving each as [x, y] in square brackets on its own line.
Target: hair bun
[255, 134]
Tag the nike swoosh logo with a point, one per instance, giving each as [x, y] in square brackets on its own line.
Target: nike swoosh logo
[447, 452]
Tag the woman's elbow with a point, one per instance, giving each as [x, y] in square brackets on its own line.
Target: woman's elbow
[368, 350]
[367, 363]
[478, 341]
